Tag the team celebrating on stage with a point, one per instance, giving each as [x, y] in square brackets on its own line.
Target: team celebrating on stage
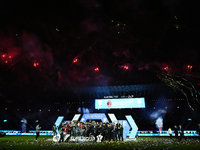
[107, 131]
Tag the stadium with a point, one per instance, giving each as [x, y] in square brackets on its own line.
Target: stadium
[91, 62]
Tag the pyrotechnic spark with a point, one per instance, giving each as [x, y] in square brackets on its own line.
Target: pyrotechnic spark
[96, 69]
[182, 85]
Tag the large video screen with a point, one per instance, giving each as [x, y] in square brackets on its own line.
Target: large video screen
[119, 103]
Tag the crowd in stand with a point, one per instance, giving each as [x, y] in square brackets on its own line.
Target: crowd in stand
[109, 131]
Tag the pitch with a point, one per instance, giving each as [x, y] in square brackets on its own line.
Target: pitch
[46, 143]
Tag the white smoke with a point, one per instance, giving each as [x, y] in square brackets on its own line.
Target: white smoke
[24, 125]
[79, 110]
[157, 116]
[85, 110]
[158, 113]
[159, 123]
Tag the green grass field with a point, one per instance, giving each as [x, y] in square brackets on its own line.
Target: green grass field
[29, 143]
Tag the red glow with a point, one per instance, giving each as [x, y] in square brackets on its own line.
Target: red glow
[126, 67]
[6, 61]
[198, 84]
[96, 69]
[3, 55]
[6, 108]
[10, 56]
[166, 68]
[37, 64]
[34, 64]
[188, 66]
[75, 60]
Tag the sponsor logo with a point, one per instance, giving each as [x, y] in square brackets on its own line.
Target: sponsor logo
[109, 103]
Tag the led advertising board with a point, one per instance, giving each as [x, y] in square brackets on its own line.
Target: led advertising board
[119, 103]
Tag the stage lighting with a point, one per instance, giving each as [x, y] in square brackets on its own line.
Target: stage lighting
[3, 55]
[10, 56]
[5, 120]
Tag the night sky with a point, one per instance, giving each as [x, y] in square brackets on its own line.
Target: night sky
[61, 45]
